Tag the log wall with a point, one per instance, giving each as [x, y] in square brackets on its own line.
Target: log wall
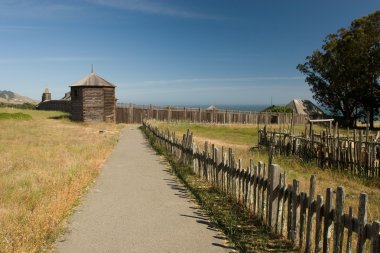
[128, 113]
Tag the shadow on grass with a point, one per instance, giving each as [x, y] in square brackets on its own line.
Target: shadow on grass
[61, 117]
[243, 232]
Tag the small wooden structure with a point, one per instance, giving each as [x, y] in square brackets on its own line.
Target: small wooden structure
[46, 96]
[312, 121]
[93, 100]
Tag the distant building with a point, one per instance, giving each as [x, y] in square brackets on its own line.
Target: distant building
[305, 107]
[211, 108]
[46, 96]
[91, 99]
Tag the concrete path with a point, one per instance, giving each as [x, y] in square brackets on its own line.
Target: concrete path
[136, 205]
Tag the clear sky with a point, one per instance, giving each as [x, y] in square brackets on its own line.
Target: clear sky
[169, 51]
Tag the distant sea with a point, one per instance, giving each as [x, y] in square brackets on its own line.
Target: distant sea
[247, 108]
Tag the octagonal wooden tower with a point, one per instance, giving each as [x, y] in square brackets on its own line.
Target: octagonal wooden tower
[93, 100]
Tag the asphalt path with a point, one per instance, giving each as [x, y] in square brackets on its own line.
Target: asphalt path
[136, 205]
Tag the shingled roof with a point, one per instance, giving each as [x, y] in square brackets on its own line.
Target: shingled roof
[304, 107]
[92, 80]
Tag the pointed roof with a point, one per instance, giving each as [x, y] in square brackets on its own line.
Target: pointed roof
[92, 80]
[304, 107]
[211, 107]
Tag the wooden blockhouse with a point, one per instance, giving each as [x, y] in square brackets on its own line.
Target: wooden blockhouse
[93, 100]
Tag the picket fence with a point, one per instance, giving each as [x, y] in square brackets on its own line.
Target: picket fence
[312, 223]
[357, 153]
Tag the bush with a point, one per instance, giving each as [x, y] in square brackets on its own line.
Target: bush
[274, 108]
[19, 116]
[28, 106]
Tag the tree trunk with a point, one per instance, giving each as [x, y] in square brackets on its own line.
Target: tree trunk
[371, 118]
[348, 119]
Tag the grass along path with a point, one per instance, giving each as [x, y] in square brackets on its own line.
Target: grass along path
[244, 233]
[46, 163]
[242, 137]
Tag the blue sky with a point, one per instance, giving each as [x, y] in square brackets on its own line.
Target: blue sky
[169, 51]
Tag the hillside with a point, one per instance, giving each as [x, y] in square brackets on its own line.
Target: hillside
[14, 98]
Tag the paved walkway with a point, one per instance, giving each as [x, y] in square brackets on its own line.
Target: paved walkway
[137, 206]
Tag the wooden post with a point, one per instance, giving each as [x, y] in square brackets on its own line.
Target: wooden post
[362, 220]
[274, 181]
[255, 190]
[318, 224]
[290, 214]
[349, 232]
[338, 221]
[281, 203]
[303, 196]
[327, 221]
[310, 214]
[375, 237]
[259, 181]
[295, 194]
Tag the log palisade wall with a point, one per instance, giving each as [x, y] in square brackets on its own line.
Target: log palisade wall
[128, 113]
[312, 222]
[55, 105]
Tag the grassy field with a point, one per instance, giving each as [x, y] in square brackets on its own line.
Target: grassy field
[242, 137]
[46, 164]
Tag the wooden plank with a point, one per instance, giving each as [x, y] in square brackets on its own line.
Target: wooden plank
[274, 183]
[318, 224]
[281, 203]
[327, 220]
[295, 192]
[255, 190]
[259, 189]
[290, 215]
[338, 220]
[375, 237]
[310, 214]
[303, 199]
[349, 231]
[362, 219]
[264, 200]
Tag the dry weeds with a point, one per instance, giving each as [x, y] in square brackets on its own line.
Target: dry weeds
[46, 164]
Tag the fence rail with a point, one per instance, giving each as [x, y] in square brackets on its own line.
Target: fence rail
[357, 153]
[129, 113]
[311, 222]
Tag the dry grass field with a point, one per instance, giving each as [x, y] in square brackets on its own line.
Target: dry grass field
[242, 137]
[47, 162]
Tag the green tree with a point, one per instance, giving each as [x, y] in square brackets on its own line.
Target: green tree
[344, 75]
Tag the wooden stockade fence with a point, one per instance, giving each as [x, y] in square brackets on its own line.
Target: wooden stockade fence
[357, 153]
[129, 113]
[312, 223]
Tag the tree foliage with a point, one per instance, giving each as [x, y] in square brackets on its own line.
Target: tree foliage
[274, 108]
[344, 75]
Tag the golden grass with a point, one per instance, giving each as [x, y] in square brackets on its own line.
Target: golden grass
[242, 137]
[46, 163]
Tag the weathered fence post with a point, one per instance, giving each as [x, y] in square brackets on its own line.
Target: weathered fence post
[274, 182]
[362, 219]
[310, 214]
[338, 220]
[295, 193]
[375, 237]
[318, 225]
[327, 220]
